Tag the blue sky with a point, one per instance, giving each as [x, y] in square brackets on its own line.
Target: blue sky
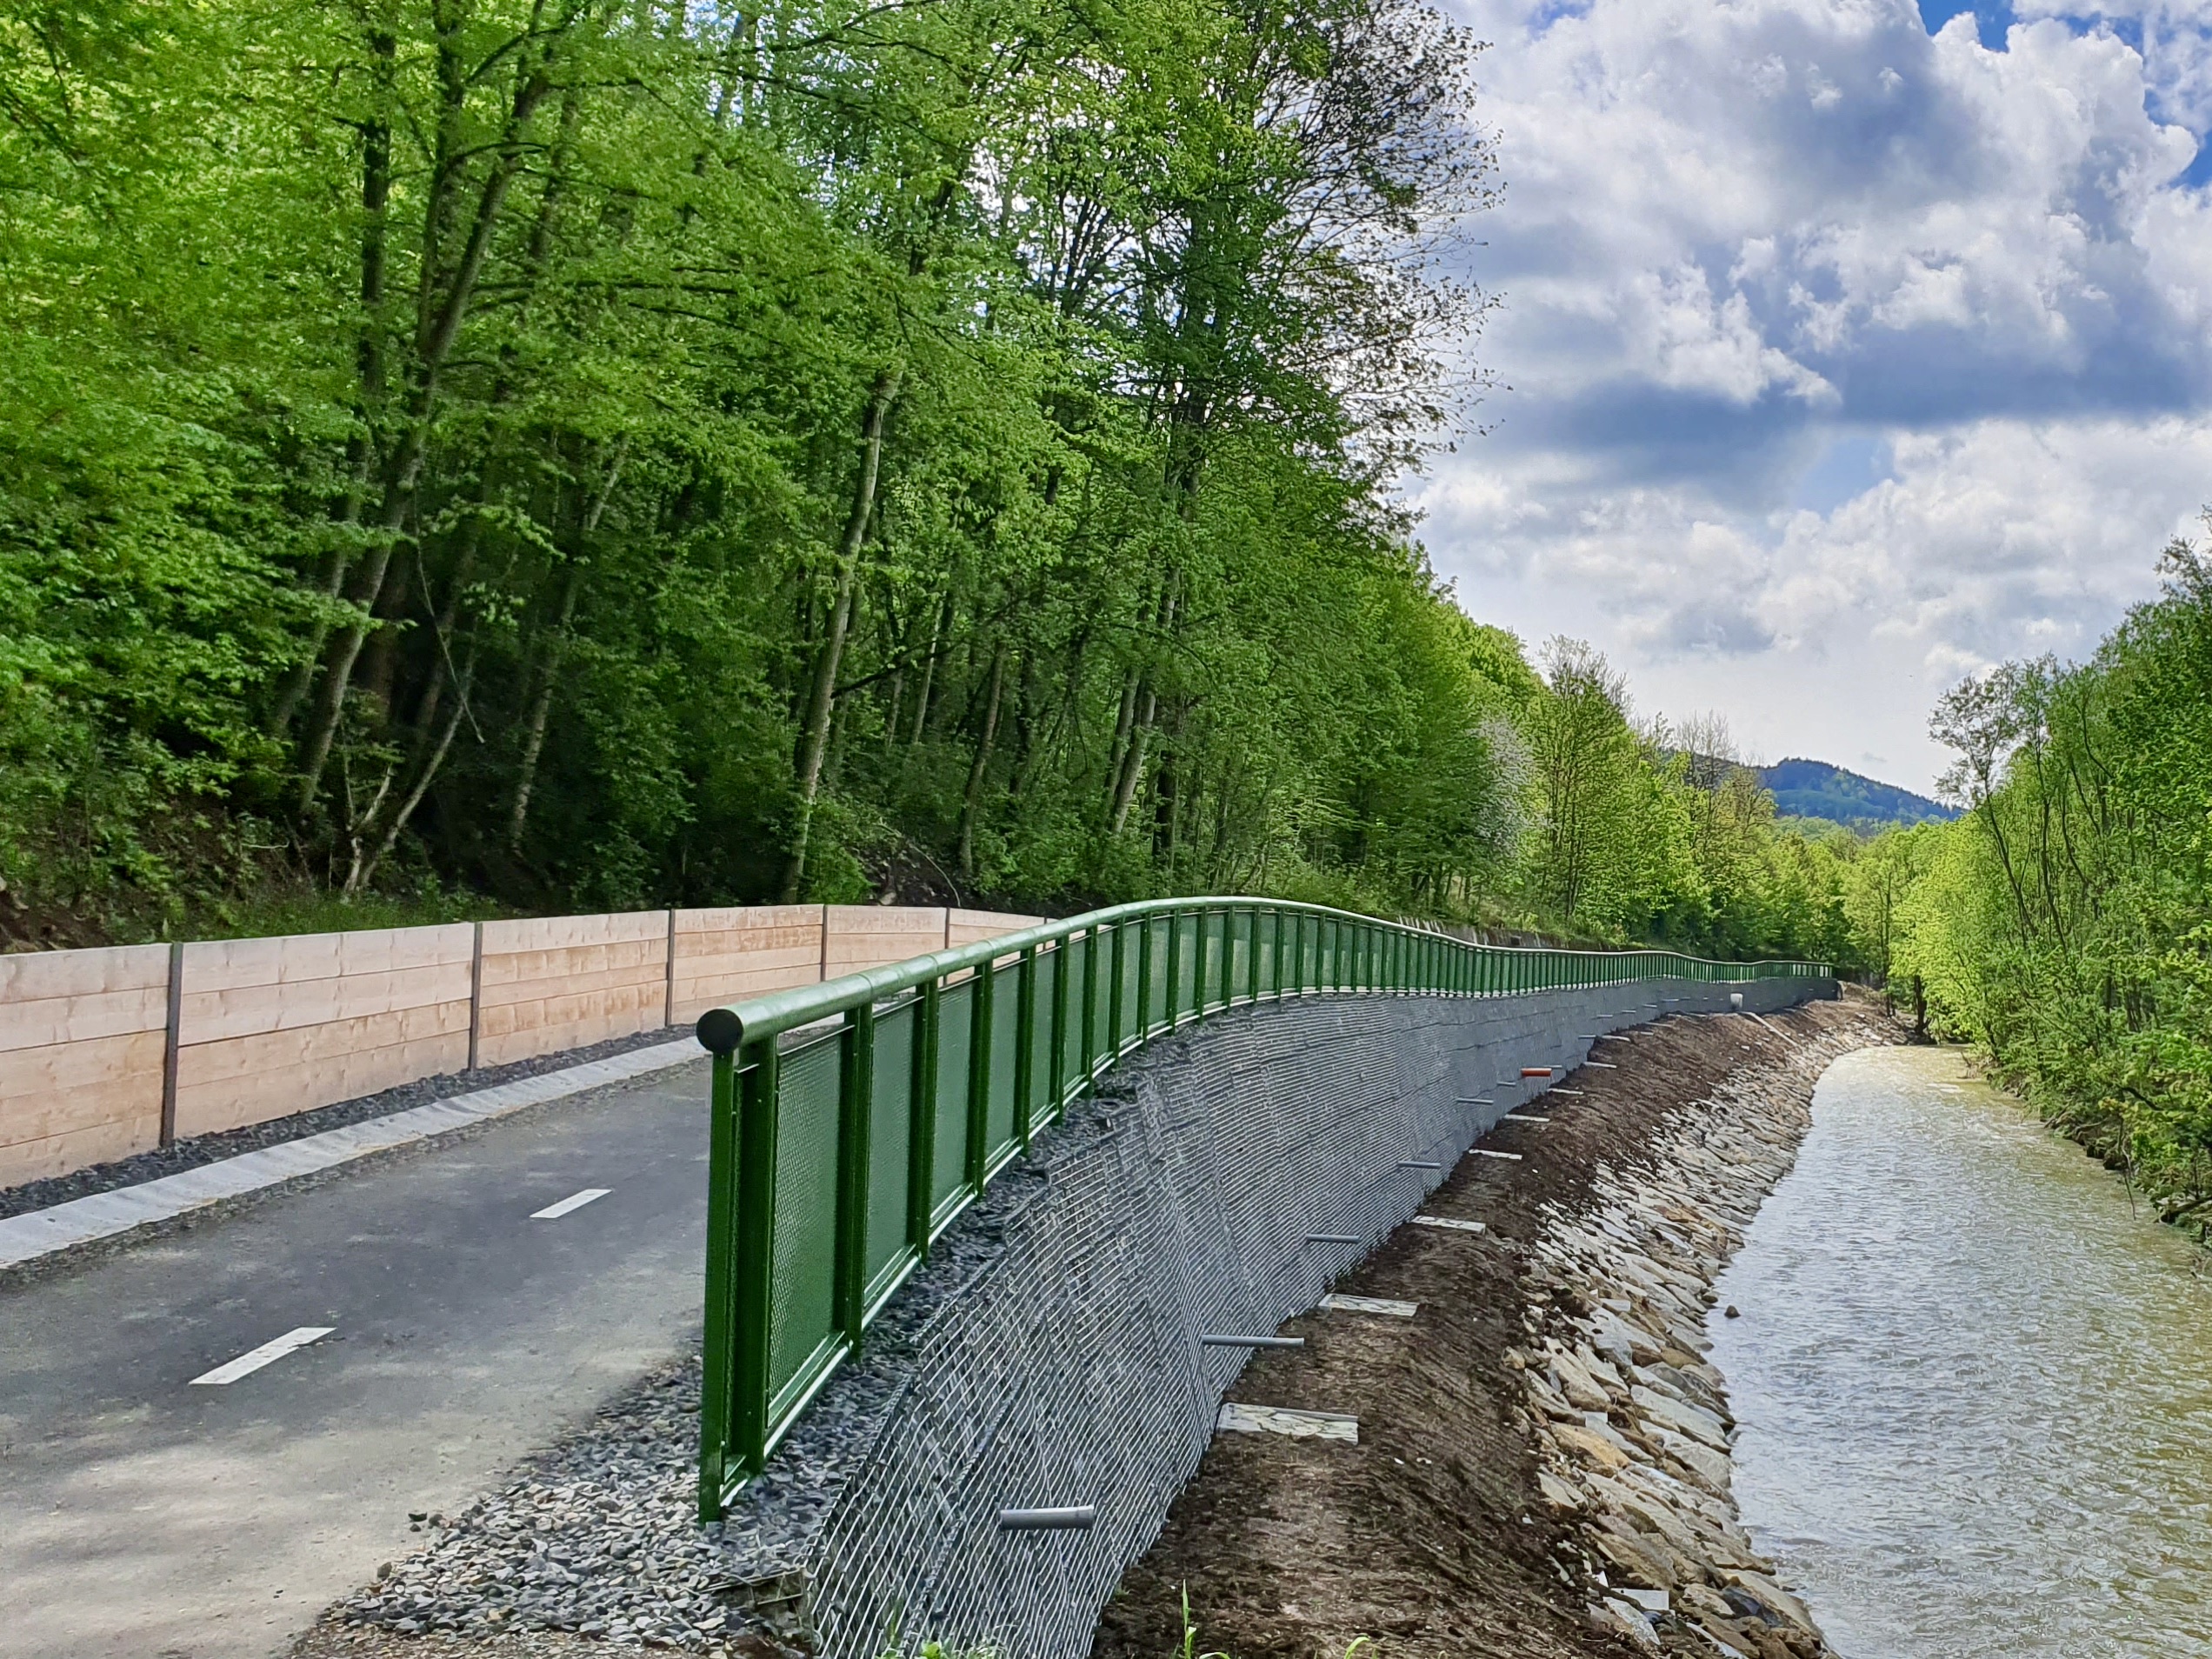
[1854, 345]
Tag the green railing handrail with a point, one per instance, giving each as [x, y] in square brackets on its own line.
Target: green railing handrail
[839, 1151]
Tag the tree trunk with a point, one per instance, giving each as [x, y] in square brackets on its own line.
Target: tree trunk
[440, 311]
[556, 648]
[365, 868]
[976, 772]
[540, 709]
[930, 669]
[814, 732]
[369, 364]
[1133, 762]
[1124, 728]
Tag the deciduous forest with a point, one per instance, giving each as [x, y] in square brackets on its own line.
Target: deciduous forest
[572, 454]
[2064, 925]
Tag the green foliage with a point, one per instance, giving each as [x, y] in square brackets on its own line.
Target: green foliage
[599, 455]
[2064, 923]
[1643, 832]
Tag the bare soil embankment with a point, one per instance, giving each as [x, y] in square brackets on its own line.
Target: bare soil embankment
[1484, 1514]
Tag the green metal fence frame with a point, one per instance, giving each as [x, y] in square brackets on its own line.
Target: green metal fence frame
[1082, 993]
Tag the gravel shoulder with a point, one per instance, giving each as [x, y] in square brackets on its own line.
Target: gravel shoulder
[1472, 1519]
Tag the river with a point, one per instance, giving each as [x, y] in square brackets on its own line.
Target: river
[1974, 1392]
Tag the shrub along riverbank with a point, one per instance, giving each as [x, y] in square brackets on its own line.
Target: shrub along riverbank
[2064, 925]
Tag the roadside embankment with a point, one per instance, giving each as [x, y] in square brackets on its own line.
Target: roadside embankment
[1541, 1466]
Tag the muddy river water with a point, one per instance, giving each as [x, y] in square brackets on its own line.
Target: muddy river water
[1974, 1391]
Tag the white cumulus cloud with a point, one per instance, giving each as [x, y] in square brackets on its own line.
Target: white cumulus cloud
[1847, 357]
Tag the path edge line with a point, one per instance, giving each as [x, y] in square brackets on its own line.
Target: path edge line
[41, 1233]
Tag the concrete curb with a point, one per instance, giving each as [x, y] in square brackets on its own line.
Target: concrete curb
[103, 1215]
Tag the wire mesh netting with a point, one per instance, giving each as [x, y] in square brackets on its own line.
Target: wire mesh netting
[805, 1236]
[890, 1139]
[956, 1030]
[1006, 1046]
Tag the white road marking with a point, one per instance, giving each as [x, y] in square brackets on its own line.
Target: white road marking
[1239, 1418]
[247, 1363]
[1601, 1065]
[105, 1215]
[1524, 1118]
[1485, 1152]
[1451, 1222]
[1576, 1093]
[1370, 1305]
[574, 1201]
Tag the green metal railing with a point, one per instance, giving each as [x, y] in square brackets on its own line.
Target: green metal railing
[853, 1120]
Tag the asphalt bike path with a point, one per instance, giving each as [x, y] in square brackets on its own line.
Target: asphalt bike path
[208, 1436]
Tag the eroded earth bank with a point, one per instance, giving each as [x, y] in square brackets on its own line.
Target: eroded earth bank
[1542, 1463]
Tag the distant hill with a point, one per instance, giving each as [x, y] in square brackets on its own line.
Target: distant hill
[1810, 788]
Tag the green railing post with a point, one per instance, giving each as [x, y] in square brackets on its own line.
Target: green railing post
[855, 1101]
[1113, 993]
[1062, 970]
[922, 1123]
[1175, 967]
[1143, 1023]
[979, 1065]
[1024, 1042]
[753, 1287]
[717, 1347]
[1090, 1004]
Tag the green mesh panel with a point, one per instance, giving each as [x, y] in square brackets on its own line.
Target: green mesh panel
[955, 1024]
[890, 1135]
[1155, 1009]
[803, 1258]
[1135, 1018]
[1105, 1036]
[1191, 947]
[1006, 1045]
[1044, 1086]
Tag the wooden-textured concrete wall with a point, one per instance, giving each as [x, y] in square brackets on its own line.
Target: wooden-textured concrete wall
[270, 1026]
[260, 1029]
[81, 1038]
